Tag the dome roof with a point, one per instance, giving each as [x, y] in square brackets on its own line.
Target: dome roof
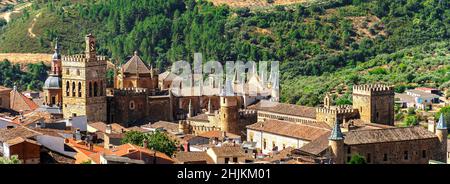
[52, 82]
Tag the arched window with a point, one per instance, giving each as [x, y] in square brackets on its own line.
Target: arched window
[95, 89]
[73, 89]
[101, 88]
[67, 88]
[90, 89]
[79, 89]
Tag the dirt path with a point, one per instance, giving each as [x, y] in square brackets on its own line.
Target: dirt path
[17, 9]
[30, 30]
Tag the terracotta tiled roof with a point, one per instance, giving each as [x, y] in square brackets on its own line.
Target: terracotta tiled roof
[218, 134]
[317, 146]
[101, 126]
[228, 151]
[200, 117]
[289, 129]
[387, 135]
[286, 109]
[185, 157]
[19, 140]
[19, 102]
[136, 65]
[8, 134]
[168, 126]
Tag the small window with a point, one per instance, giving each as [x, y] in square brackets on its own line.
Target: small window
[67, 71]
[235, 159]
[348, 159]
[424, 153]
[132, 105]
[369, 158]
[385, 157]
[349, 150]
[284, 146]
[264, 144]
[227, 160]
[406, 155]
[78, 72]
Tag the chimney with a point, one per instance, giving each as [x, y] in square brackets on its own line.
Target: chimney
[431, 125]
[77, 135]
[108, 129]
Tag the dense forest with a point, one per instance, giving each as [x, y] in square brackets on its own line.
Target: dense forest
[312, 42]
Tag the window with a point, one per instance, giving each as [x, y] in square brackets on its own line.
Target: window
[273, 145]
[369, 158]
[132, 105]
[90, 89]
[67, 71]
[78, 72]
[424, 153]
[95, 89]
[348, 159]
[385, 157]
[349, 150]
[79, 89]
[227, 160]
[406, 155]
[264, 144]
[284, 146]
[235, 159]
[74, 115]
[67, 88]
[73, 89]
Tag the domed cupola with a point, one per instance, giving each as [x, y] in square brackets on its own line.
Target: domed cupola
[52, 82]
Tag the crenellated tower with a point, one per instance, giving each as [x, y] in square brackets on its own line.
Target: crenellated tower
[84, 83]
[375, 103]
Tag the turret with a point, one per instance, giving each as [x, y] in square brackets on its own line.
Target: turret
[336, 142]
[90, 47]
[229, 112]
[327, 101]
[56, 60]
[442, 133]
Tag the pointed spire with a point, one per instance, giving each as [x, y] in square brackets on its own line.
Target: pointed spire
[56, 45]
[336, 133]
[442, 124]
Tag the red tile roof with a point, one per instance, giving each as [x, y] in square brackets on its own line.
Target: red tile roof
[19, 102]
[290, 129]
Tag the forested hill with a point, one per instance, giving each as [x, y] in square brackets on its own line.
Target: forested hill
[315, 40]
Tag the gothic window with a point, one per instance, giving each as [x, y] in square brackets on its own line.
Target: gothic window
[67, 88]
[79, 89]
[95, 89]
[90, 89]
[73, 89]
[78, 72]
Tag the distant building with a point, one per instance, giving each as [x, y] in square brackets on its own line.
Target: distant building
[417, 99]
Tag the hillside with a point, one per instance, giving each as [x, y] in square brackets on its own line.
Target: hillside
[313, 42]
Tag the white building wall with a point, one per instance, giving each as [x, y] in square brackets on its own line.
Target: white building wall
[270, 138]
[54, 143]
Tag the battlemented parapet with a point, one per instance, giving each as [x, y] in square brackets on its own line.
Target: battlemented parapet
[375, 103]
[373, 89]
[341, 113]
[130, 92]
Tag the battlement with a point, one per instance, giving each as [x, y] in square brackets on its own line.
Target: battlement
[341, 109]
[130, 91]
[373, 89]
[247, 113]
[81, 58]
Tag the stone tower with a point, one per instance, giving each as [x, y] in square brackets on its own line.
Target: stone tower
[336, 142]
[375, 103]
[229, 111]
[52, 86]
[84, 84]
[442, 133]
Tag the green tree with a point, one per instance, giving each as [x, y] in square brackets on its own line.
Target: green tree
[446, 112]
[158, 141]
[357, 159]
[14, 159]
[411, 120]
